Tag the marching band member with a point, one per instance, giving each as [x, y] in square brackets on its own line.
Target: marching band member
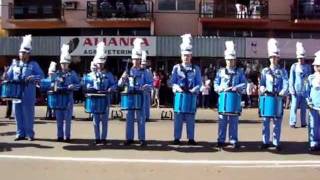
[136, 79]
[231, 79]
[100, 81]
[299, 73]
[147, 93]
[186, 78]
[65, 81]
[274, 80]
[313, 101]
[51, 71]
[28, 71]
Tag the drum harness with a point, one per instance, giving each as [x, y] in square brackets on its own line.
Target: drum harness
[187, 85]
[273, 83]
[231, 76]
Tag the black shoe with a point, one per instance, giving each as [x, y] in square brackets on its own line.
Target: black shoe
[192, 142]
[220, 145]
[176, 142]
[31, 138]
[303, 126]
[293, 126]
[60, 139]
[103, 141]
[235, 146]
[68, 140]
[97, 141]
[143, 143]
[264, 146]
[313, 148]
[20, 138]
[128, 142]
[278, 148]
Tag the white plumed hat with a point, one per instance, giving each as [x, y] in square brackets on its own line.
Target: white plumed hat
[300, 51]
[65, 55]
[26, 44]
[137, 49]
[230, 52]
[52, 67]
[144, 57]
[273, 49]
[101, 55]
[186, 45]
[316, 61]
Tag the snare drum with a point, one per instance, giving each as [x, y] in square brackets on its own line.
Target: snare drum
[12, 90]
[131, 101]
[270, 106]
[185, 103]
[58, 100]
[229, 103]
[45, 85]
[96, 103]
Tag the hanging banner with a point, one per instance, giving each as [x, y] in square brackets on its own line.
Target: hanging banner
[258, 47]
[116, 45]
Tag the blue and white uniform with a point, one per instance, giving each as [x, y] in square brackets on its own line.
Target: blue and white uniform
[187, 78]
[313, 98]
[298, 76]
[100, 81]
[227, 78]
[138, 78]
[273, 80]
[29, 72]
[65, 82]
[24, 109]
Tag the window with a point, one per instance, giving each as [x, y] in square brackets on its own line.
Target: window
[167, 5]
[186, 4]
[173, 5]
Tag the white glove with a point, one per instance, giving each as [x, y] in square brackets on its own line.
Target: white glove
[177, 88]
[293, 92]
[71, 86]
[193, 90]
[262, 89]
[281, 93]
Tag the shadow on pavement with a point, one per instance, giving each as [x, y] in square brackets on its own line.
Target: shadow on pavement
[152, 145]
[5, 147]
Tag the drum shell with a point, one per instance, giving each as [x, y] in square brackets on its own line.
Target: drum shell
[185, 103]
[58, 100]
[96, 103]
[271, 106]
[45, 85]
[229, 103]
[131, 101]
[12, 90]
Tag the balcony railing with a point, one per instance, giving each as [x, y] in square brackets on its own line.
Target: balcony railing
[34, 11]
[307, 10]
[106, 10]
[209, 9]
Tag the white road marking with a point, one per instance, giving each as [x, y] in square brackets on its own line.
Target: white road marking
[222, 163]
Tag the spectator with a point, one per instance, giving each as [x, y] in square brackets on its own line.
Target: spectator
[106, 8]
[9, 102]
[156, 88]
[250, 90]
[205, 89]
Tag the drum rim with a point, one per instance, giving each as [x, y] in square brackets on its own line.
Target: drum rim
[58, 92]
[96, 94]
[129, 93]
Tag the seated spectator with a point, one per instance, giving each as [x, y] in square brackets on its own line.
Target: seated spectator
[106, 9]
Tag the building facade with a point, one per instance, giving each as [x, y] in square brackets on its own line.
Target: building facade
[160, 22]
